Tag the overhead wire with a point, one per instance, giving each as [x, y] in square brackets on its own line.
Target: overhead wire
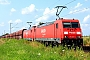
[56, 2]
[70, 2]
[76, 11]
[49, 7]
[14, 25]
[54, 10]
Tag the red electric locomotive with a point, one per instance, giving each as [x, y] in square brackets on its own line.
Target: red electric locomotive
[64, 31]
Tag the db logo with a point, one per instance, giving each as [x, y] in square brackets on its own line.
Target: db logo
[72, 32]
[43, 30]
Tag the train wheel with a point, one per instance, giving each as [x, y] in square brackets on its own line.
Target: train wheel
[46, 44]
[52, 44]
[80, 43]
[57, 44]
[63, 43]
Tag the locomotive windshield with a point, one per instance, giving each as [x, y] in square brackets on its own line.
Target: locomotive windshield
[70, 25]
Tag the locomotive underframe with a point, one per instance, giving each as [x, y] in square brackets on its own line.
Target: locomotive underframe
[64, 42]
[72, 42]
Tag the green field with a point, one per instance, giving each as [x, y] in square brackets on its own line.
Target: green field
[86, 40]
[12, 49]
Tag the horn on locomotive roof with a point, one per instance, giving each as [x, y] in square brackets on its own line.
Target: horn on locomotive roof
[58, 12]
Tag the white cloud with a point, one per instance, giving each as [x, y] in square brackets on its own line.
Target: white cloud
[85, 26]
[86, 18]
[2, 24]
[79, 10]
[4, 2]
[10, 21]
[37, 23]
[78, 5]
[36, 16]
[13, 10]
[73, 12]
[85, 9]
[18, 21]
[47, 15]
[29, 9]
[23, 28]
[47, 11]
[44, 17]
[86, 0]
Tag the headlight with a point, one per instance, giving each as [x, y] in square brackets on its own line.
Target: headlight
[78, 32]
[65, 37]
[78, 36]
[65, 32]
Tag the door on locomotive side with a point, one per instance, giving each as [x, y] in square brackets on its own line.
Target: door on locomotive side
[58, 31]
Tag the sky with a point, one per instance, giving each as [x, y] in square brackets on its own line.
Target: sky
[19, 12]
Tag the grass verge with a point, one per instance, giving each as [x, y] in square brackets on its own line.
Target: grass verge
[13, 49]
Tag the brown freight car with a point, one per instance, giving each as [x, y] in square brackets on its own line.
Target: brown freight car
[19, 34]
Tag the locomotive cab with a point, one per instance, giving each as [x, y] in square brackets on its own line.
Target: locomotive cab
[72, 34]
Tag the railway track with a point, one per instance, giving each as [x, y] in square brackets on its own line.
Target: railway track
[86, 48]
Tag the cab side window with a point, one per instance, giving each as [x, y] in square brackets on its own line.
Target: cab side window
[57, 25]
